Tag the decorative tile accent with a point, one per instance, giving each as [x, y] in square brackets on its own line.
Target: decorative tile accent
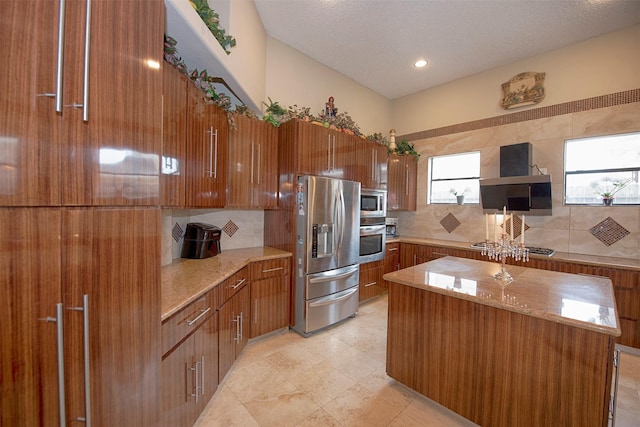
[450, 222]
[517, 226]
[608, 231]
[618, 98]
[230, 228]
[177, 232]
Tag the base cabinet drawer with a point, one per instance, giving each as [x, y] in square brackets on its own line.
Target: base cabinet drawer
[371, 282]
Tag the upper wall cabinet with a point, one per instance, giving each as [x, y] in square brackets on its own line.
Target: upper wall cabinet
[403, 171]
[81, 114]
[174, 137]
[372, 164]
[206, 155]
[252, 178]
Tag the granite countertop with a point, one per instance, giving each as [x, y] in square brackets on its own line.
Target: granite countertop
[583, 301]
[595, 260]
[185, 280]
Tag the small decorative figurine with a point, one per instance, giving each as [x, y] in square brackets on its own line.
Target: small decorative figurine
[329, 109]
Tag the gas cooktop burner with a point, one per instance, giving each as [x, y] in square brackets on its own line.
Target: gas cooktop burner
[532, 249]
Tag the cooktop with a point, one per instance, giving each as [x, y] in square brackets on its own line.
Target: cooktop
[532, 249]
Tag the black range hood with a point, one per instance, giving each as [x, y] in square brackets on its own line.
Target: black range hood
[528, 194]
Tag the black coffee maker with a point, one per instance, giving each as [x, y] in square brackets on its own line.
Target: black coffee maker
[201, 241]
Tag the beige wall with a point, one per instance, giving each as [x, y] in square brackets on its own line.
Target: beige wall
[248, 58]
[599, 66]
[567, 230]
[294, 78]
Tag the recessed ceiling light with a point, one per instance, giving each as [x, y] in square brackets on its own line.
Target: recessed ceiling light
[420, 63]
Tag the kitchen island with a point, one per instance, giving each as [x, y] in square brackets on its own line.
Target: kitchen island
[537, 352]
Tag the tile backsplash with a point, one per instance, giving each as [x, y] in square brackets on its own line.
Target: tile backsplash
[240, 229]
[569, 228]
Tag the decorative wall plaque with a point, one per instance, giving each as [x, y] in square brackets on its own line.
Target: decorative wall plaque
[522, 90]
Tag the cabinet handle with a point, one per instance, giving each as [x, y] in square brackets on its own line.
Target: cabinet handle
[85, 86]
[194, 369]
[238, 321]
[241, 325]
[57, 95]
[406, 181]
[215, 155]
[209, 171]
[415, 259]
[259, 162]
[392, 249]
[252, 151]
[60, 350]
[269, 270]
[255, 311]
[333, 163]
[202, 375]
[373, 162]
[240, 282]
[328, 152]
[87, 368]
[199, 316]
[370, 284]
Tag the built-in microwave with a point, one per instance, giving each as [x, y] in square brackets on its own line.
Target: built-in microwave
[373, 203]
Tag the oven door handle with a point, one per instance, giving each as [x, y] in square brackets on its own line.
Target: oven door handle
[370, 230]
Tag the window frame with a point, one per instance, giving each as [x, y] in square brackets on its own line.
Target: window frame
[457, 178]
[586, 172]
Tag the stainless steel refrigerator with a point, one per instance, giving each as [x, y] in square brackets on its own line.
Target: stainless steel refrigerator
[327, 251]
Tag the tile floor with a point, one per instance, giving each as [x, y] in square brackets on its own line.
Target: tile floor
[337, 378]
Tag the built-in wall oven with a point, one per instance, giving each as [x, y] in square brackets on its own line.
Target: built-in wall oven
[373, 230]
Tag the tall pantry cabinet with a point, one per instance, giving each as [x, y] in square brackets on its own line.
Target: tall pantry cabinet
[80, 131]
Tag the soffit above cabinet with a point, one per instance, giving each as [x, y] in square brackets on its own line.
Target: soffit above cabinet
[199, 49]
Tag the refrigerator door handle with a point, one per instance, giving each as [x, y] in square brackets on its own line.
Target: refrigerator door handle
[332, 300]
[340, 218]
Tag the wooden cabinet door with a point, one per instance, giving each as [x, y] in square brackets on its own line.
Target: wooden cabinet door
[228, 331]
[30, 147]
[252, 179]
[242, 303]
[270, 305]
[190, 376]
[206, 165]
[177, 386]
[402, 181]
[371, 158]
[206, 354]
[411, 177]
[343, 154]
[30, 288]
[111, 275]
[391, 259]
[174, 137]
[265, 191]
[113, 140]
[314, 149]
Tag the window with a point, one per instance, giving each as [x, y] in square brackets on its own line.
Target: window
[597, 165]
[459, 173]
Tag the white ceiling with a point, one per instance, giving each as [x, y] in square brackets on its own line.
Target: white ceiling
[376, 42]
